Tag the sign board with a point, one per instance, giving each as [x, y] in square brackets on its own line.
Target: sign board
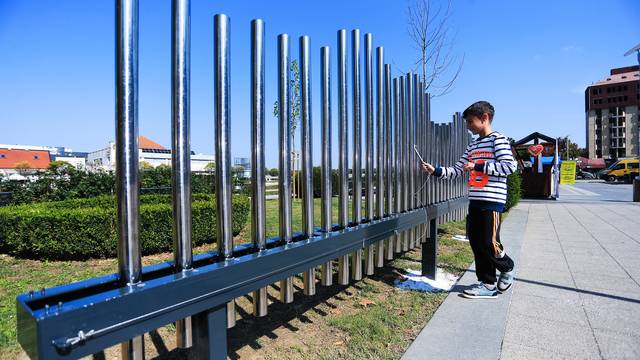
[568, 172]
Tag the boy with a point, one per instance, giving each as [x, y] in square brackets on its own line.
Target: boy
[489, 160]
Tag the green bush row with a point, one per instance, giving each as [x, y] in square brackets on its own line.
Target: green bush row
[514, 190]
[82, 229]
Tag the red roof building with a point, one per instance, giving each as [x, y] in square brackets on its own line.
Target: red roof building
[37, 159]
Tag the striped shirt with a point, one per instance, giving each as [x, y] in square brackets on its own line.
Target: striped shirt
[494, 161]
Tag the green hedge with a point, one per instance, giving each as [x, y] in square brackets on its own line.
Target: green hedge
[514, 190]
[82, 229]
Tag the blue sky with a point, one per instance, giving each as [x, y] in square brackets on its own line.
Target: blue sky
[531, 59]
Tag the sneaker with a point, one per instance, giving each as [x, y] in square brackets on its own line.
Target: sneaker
[480, 291]
[505, 281]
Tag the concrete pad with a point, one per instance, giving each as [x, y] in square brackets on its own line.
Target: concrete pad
[562, 310]
[617, 346]
[621, 315]
[553, 336]
[513, 351]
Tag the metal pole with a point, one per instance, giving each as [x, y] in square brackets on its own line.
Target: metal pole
[410, 153]
[129, 256]
[222, 71]
[389, 135]
[309, 276]
[284, 178]
[368, 167]
[343, 212]
[258, 205]
[356, 173]
[397, 164]
[326, 222]
[181, 150]
[414, 141]
[380, 150]
[403, 147]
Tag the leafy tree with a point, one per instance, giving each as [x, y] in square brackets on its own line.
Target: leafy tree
[274, 172]
[23, 167]
[294, 94]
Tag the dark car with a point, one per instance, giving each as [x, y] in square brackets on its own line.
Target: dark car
[580, 174]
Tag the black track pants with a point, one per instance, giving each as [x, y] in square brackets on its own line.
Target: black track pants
[483, 231]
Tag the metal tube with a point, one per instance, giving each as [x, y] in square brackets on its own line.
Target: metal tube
[258, 202]
[309, 276]
[356, 174]
[414, 157]
[403, 147]
[221, 76]
[388, 153]
[368, 167]
[181, 150]
[326, 223]
[380, 150]
[397, 163]
[369, 163]
[343, 212]
[284, 178]
[410, 152]
[127, 188]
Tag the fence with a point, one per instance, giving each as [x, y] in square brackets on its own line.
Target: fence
[402, 207]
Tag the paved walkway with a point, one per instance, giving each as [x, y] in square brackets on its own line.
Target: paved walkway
[577, 294]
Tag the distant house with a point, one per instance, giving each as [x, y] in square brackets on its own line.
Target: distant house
[14, 161]
[149, 152]
[56, 153]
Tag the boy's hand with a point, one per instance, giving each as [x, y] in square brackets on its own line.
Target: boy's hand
[428, 168]
[469, 166]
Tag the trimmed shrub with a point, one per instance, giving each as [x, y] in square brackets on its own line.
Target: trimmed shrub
[514, 190]
[82, 229]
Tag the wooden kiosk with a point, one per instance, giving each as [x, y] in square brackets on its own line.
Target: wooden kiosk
[537, 156]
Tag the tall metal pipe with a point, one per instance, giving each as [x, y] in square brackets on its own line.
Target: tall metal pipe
[368, 165]
[258, 202]
[369, 124]
[284, 178]
[388, 155]
[309, 276]
[326, 271]
[356, 173]
[414, 157]
[403, 149]
[221, 78]
[410, 153]
[380, 150]
[181, 150]
[127, 188]
[343, 136]
[397, 163]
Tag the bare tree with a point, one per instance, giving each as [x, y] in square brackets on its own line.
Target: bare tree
[428, 27]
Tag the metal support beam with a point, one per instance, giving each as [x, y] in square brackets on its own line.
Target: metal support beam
[429, 251]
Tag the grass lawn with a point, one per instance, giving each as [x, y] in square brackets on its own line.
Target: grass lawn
[368, 319]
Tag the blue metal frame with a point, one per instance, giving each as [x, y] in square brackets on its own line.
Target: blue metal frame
[82, 318]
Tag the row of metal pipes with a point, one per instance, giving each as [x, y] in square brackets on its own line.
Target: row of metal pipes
[393, 181]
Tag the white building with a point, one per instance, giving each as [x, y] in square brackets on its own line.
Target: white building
[149, 152]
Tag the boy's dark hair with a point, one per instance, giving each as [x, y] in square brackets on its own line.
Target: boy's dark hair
[478, 108]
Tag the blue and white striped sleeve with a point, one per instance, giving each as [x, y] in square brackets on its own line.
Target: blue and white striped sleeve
[504, 164]
[454, 171]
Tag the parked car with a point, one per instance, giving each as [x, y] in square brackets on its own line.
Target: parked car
[580, 174]
[625, 170]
